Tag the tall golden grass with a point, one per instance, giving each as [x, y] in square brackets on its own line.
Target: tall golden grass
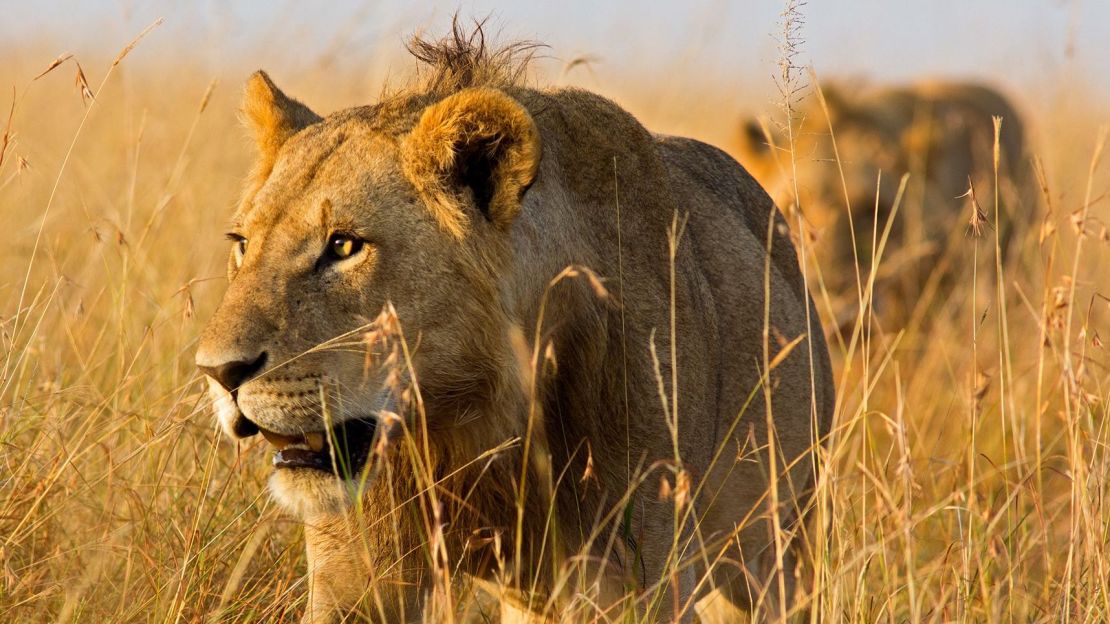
[965, 480]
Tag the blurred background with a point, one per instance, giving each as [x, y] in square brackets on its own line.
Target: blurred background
[685, 67]
[1026, 46]
[1020, 43]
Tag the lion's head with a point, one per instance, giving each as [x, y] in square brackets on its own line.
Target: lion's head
[343, 215]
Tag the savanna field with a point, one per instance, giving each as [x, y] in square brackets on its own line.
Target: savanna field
[965, 479]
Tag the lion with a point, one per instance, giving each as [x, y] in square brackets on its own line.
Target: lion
[487, 327]
[940, 133]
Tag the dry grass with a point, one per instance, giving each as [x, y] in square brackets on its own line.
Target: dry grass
[965, 481]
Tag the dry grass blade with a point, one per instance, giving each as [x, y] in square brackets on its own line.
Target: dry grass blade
[784, 352]
[586, 61]
[134, 42]
[54, 64]
[5, 141]
[83, 85]
[207, 96]
[978, 219]
[583, 60]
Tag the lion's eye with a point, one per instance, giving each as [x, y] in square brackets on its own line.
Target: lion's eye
[239, 248]
[342, 246]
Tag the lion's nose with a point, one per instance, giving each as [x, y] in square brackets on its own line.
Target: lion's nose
[231, 375]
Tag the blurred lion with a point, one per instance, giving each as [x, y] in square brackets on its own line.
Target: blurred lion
[941, 134]
[501, 419]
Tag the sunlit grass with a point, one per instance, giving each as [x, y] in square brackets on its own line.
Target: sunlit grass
[965, 478]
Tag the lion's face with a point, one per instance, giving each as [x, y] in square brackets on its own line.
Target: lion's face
[344, 218]
[314, 257]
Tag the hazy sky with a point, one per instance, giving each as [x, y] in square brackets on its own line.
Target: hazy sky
[1020, 43]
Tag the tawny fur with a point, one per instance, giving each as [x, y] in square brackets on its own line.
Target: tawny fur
[273, 117]
[473, 119]
[467, 244]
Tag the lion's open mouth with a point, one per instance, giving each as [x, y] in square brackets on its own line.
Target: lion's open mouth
[343, 453]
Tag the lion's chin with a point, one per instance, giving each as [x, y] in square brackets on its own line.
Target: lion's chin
[307, 492]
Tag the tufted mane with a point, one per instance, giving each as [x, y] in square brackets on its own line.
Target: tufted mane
[462, 60]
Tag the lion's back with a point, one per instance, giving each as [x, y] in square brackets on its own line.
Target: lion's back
[607, 194]
[891, 128]
[728, 225]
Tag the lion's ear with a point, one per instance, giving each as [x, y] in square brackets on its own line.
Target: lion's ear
[478, 143]
[272, 116]
[755, 137]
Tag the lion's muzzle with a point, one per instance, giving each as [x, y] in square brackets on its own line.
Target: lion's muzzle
[234, 373]
[342, 450]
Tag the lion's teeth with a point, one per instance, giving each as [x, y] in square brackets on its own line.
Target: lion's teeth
[278, 440]
[315, 441]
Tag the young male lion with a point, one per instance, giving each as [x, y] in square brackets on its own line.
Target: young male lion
[568, 395]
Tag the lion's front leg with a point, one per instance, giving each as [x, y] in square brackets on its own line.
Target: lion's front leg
[337, 578]
[343, 580]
